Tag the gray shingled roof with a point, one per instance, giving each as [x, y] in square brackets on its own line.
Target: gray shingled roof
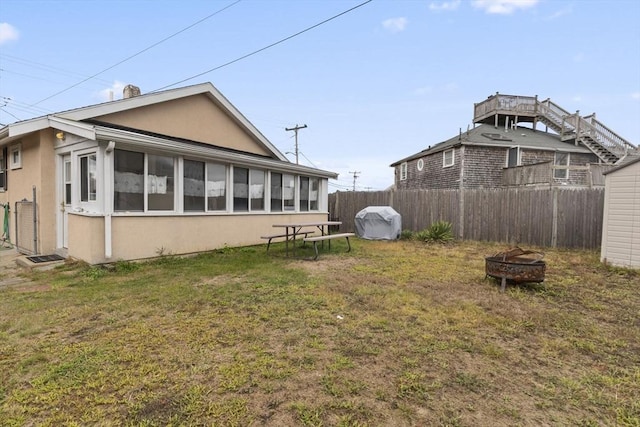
[489, 136]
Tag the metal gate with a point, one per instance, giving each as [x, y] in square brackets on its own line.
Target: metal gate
[26, 238]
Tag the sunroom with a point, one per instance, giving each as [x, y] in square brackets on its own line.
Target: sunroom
[138, 196]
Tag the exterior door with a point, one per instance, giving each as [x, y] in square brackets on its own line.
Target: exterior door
[65, 204]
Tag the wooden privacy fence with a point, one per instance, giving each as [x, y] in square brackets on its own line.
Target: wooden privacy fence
[552, 217]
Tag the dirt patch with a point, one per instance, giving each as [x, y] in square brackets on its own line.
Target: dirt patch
[32, 287]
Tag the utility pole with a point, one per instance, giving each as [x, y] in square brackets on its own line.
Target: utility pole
[355, 176]
[295, 129]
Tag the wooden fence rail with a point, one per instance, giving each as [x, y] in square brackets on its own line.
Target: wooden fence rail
[552, 217]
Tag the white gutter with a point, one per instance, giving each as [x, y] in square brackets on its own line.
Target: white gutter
[80, 129]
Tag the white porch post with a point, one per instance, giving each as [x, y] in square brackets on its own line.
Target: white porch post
[108, 196]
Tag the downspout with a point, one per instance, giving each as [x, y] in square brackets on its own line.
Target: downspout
[35, 222]
[108, 197]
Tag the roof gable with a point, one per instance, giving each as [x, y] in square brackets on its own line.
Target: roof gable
[199, 112]
[196, 118]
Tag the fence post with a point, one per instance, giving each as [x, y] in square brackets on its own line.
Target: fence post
[554, 219]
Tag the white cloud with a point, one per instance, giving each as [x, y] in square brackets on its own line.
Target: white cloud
[7, 33]
[635, 95]
[576, 98]
[395, 25]
[503, 7]
[113, 92]
[444, 5]
[578, 57]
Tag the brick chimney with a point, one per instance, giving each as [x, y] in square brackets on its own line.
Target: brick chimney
[130, 91]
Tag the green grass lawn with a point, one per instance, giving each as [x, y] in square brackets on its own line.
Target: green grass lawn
[391, 333]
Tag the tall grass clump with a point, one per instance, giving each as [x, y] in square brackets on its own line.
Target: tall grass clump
[438, 232]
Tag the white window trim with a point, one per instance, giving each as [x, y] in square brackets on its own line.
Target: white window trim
[403, 171]
[91, 201]
[519, 156]
[309, 196]
[15, 162]
[90, 206]
[420, 164]
[444, 158]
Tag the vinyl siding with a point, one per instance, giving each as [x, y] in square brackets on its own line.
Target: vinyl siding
[621, 227]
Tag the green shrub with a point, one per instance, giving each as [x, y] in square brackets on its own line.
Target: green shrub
[438, 232]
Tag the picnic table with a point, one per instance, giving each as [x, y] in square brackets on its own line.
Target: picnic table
[295, 229]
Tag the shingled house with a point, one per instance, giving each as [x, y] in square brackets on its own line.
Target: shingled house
[500, 151]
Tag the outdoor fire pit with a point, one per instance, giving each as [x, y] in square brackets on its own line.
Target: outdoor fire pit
[516, 265]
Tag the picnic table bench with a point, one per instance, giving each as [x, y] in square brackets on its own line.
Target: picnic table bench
[294, 229]
[287, 236]
[316, 239]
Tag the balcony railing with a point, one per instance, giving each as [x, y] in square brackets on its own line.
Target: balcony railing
[514, 104]
[568, 125]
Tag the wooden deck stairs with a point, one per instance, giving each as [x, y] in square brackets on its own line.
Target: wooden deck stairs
[509, 110]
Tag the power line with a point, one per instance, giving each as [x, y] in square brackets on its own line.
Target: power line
[9, 113]
[43, 67]
[338, 186]
[140, 52]
[264, 48]
[310, 162]
[21, 106]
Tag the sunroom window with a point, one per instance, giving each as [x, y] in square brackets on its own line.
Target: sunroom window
[193, 186]
[276, 192]
[289, 192]
[309, 194]
[304, 194]
[196, 174]
[216, 187]
[160, 179]
[240, 189]
[256, 189]
[88, 178]
[147, 182]
[314, 194]
[131, 184]
[128, 181]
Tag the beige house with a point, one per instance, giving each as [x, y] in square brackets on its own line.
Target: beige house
[621, 221]
[178, 171]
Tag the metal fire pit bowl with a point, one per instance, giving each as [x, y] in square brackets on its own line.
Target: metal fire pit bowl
[516, 265]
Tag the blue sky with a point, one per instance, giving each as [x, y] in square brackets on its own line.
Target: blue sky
[374, 85]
